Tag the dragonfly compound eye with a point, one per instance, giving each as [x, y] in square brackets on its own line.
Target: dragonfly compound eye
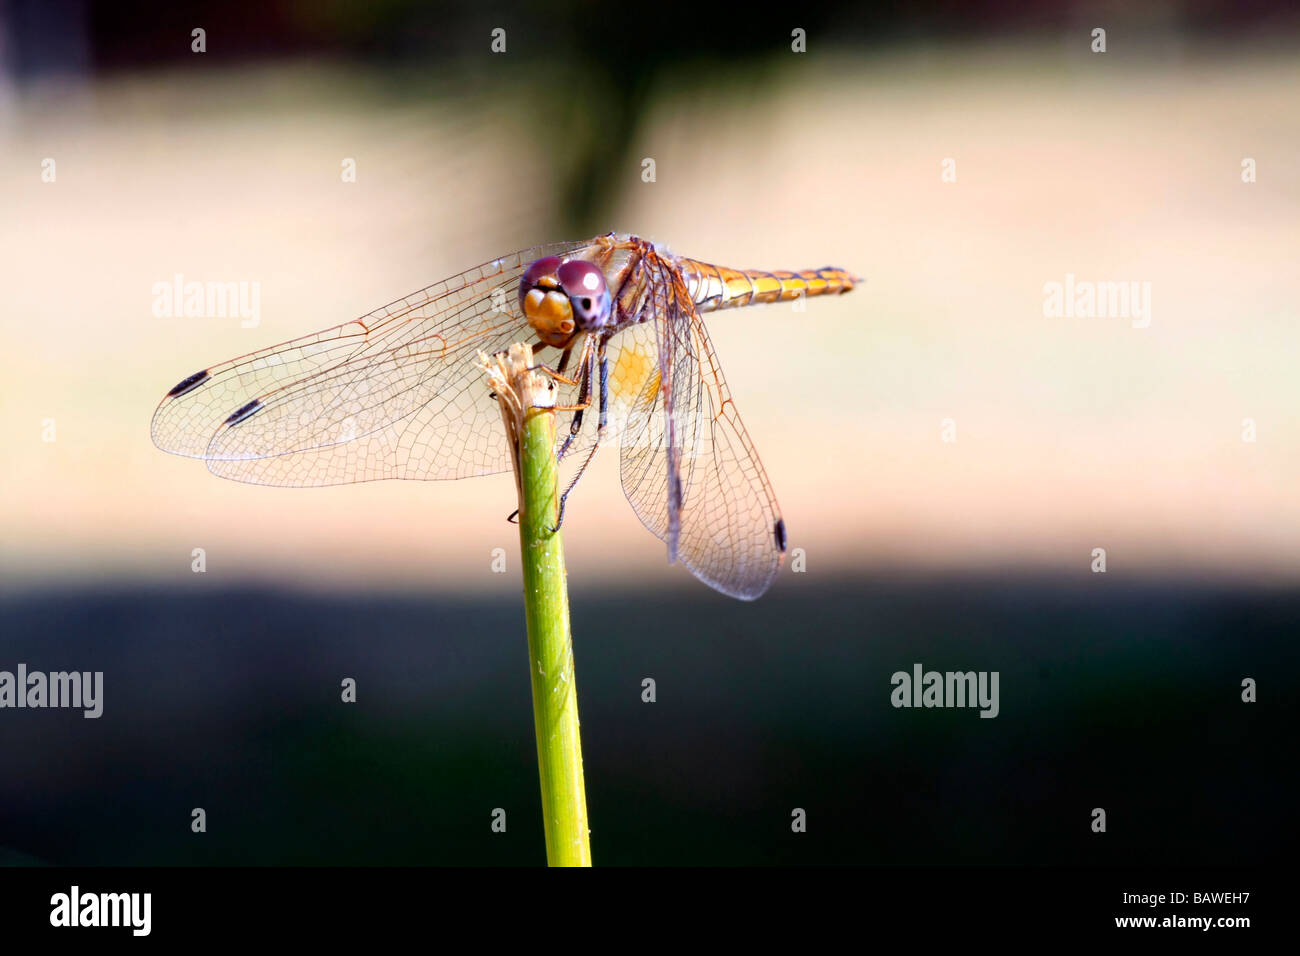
[585, 286]
[541, 274]
[545, 303]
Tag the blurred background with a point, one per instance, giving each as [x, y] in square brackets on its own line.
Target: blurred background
[126, 158]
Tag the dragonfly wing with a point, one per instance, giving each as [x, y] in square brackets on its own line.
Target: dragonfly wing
[688, 466]
[443, 427]
[401, 385]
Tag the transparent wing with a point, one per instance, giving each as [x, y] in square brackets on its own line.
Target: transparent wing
[394, 394]
[688, 466]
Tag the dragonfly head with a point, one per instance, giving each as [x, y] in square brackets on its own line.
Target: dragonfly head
[562, 298]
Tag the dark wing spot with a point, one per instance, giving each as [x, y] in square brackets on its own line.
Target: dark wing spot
[189, 384]
[779, 531]
[244, 413]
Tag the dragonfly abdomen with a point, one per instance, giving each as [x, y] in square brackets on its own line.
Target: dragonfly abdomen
[717, 287]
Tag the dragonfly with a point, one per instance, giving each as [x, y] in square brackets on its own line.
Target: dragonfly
[401, 393]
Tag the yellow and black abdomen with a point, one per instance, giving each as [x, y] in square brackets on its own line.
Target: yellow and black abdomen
[717, 287]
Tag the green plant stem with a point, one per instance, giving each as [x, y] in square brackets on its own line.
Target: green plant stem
[550, 647]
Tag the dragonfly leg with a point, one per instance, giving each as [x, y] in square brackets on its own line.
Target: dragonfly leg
[557, 373]
[600, 431]
[584, 398]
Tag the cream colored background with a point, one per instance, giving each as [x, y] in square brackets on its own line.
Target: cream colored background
[1072, 433]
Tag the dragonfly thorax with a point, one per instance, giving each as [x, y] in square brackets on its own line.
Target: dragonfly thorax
[562, 298]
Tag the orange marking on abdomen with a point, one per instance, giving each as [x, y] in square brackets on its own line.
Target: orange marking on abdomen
[718, 287]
